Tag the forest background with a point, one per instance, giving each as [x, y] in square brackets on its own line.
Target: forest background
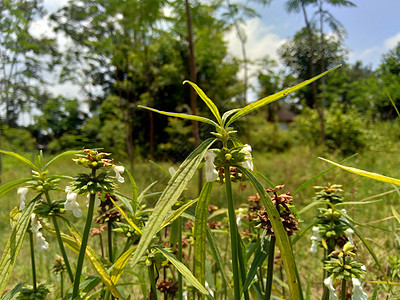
[121, 54]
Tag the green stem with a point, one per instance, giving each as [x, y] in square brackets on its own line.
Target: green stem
[82, 250]
[60, 242]
[110, 244]
[180, 283]
[33, 260]
[62, 284]
[242, 265]
[343, 296]
[270, 274]
[233, 233]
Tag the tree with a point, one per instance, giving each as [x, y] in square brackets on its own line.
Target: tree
[295, 54]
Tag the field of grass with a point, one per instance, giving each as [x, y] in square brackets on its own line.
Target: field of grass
[291, 168]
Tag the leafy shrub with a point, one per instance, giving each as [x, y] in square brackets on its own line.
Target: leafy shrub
[345, 128]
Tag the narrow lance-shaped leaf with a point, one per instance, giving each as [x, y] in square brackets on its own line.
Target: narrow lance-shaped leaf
[182, 116]
[282, 238]
[21, 158]
[14, 244]
[134, 226]
[183, 270]
[71, 152]
[5, 188]
[177, 213]
[207, 100]
[365, 173]
[200, 232]
[170, 195]
[256, 105]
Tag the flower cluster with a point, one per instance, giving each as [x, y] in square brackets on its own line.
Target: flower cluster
[216, 159]
[282, 203]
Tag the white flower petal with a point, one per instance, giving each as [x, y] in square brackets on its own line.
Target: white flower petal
[248, 163]
[209, 167]
[314, 246]
[358, 293]
[22, 191]
[118, 170]
[349, 233]
[329, 284]
[71, 204]
[41, 242]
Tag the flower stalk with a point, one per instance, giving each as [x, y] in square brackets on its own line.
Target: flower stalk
[85, 238]
[34, 284]
[60, 242]
[270, 268]
[233, 235]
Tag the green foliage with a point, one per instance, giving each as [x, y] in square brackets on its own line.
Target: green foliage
[345, 129]
[17, 139]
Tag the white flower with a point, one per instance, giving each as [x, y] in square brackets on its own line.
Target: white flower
[239, 217]
[350, 232]
[209, 167]
[41, 242]
[22, 192]
[209, 289]
[328, 283]
[118, 170]
[358, 293]
[248, 163]
[71, 204]
[315, 239]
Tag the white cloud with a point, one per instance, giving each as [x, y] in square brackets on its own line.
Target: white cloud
[392, 42]
[261, 42]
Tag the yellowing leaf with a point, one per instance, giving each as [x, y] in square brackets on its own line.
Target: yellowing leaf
[365, 173]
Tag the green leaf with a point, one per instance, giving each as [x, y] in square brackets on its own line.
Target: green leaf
[95, 261]
[119, 266]
[207, 100]
[200, 232]
[395, 214]
[282, 238]
[217, 256]
[259, 257]
[183, 270]
[21, 158]
[227, 114]
[256, 105]
[365, 173]
[170, 195]
[14, 244]
[5, 188]
[11, 293]
[172, 217]
[134, 226]
[182, 116]
[71, 152]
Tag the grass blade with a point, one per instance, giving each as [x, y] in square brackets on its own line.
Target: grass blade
[256, 105]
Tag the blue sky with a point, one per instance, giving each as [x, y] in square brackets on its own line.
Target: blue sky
[373, 27]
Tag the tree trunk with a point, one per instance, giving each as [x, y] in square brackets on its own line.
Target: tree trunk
[193, 100]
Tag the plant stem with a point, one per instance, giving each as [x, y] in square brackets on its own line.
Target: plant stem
[62, 284]
[60, 242]
[82, 250]
[270, 274]
[343, 296]
[33, 260]
[233, 233]
[180, 285]
[110, 244]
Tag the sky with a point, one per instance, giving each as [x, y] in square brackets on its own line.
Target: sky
[373, 28]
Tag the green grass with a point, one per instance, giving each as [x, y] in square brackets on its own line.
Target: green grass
[292, 168]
